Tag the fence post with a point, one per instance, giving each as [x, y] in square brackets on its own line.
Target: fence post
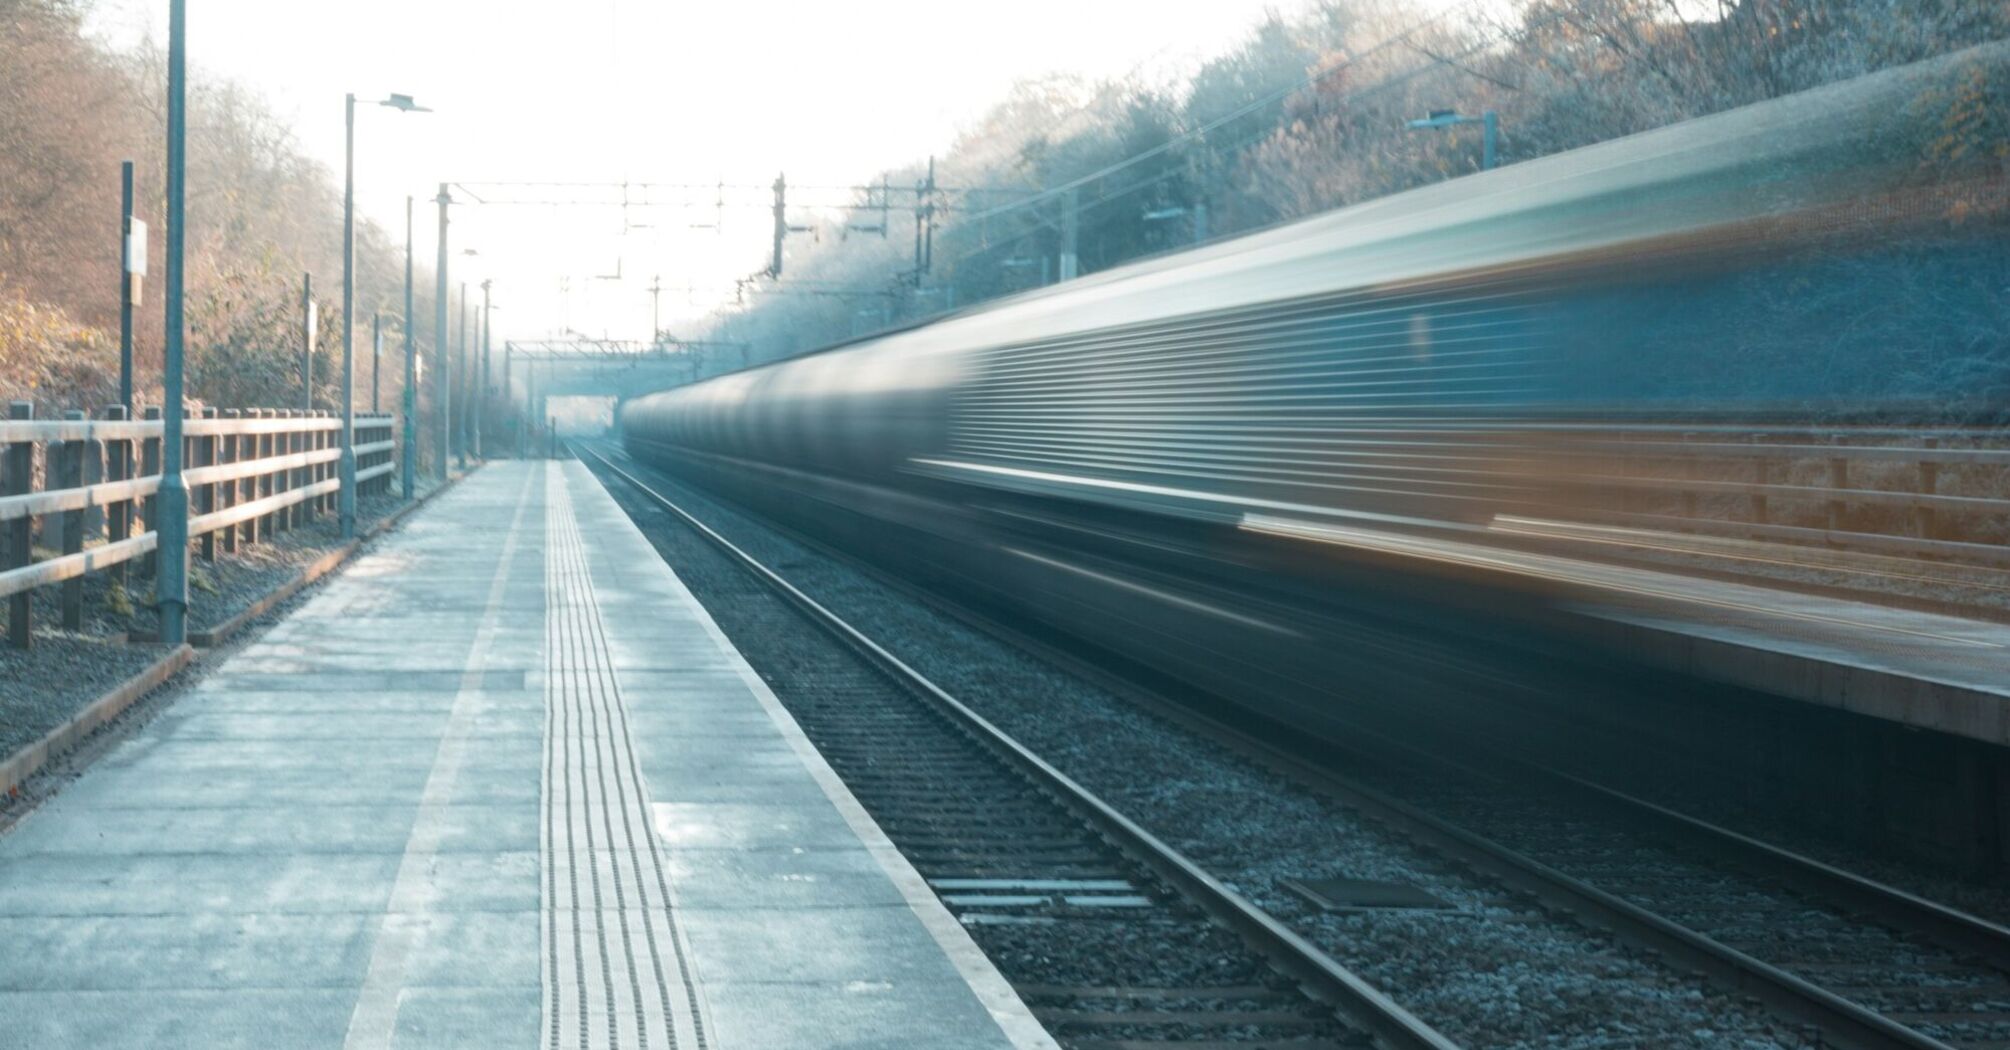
[232, 488]
[375, 485]
[318, 441]
[94, 474]
[205, 495]
[325, 440]
[19, 481]
[1838, 481]
[68, 473]
[118, 467]
[269, 482]
[1929, 483]
[189, 443]
[357, 439]
[303, 511]
[150, 466]
[247, 486]
[283, 443]
[311, 442]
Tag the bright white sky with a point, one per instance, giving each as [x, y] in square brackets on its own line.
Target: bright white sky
[646, 90]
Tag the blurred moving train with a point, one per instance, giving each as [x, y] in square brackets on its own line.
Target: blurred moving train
[1127, 458]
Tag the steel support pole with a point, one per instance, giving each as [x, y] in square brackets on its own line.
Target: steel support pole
[520, 420]
[345, 503]
[461, 369]
[171, 554]
[928, 222]
[443, 382]
[781, 224]
[409, 476]
[482, 394]
[126, 286]
[1071, 212]
[376, 359]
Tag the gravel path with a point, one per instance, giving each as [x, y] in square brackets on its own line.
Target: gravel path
[1492, 971]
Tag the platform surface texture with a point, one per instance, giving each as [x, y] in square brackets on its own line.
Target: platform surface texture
[501, 783]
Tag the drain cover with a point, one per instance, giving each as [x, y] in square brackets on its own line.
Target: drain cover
[1351, 894]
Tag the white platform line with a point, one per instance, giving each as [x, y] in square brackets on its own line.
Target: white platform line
[374, 1021]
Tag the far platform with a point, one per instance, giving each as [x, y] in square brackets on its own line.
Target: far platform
[1922, 669]
[503, 782]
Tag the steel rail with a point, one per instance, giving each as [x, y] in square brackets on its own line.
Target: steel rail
[1324, 977]
[1960, 930]
[1842, 1020]
[1848, 1023]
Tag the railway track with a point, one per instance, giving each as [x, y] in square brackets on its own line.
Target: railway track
[1861, 963]
[1858, 963]
[1113, 938]
[1866, 964]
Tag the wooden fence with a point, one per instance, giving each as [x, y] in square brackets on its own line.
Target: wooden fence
[85, 488]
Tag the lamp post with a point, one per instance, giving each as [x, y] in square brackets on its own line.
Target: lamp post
[408, 477]
[347, 501]
[461, 420]
[1445, 118]
[482, 395]
[441, 407]
[171, 578]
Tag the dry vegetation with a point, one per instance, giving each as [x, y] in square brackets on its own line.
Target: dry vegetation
[1308, 113]
[259, 215]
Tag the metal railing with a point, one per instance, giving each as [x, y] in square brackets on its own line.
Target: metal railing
[251, 474]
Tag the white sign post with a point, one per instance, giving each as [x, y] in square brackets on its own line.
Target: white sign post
[136, 257]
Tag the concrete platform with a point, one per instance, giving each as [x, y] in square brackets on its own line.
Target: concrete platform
[1921, 669]
[501, 783]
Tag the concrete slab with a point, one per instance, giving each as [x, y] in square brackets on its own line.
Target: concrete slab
[502, 781]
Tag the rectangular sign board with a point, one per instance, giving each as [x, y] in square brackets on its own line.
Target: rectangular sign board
[136, 248]
[136, 257]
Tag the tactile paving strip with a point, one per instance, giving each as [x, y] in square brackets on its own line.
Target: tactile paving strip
[616, 968]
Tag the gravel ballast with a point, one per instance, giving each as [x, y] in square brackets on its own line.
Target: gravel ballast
[1492, 971]
[46, 686]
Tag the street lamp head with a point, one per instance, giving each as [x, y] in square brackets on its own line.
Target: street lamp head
[404, 104]
[1438, 118]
